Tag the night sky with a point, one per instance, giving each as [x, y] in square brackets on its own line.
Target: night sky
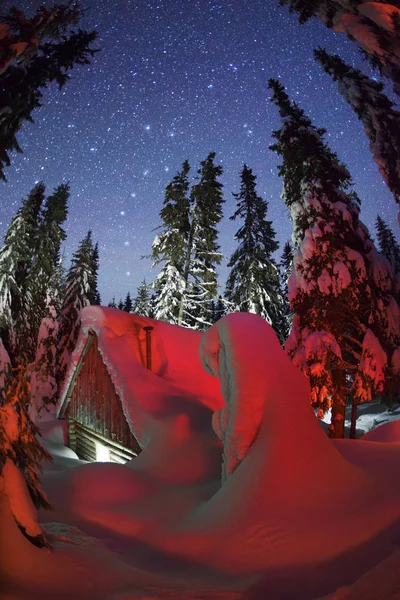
[175, 80]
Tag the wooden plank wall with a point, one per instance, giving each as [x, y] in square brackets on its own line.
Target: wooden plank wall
[96, 406]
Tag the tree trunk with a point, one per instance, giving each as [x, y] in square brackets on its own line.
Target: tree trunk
[186, 273]
[336, 428]
[353, 418]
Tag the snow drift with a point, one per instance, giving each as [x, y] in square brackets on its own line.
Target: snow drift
[255, 498]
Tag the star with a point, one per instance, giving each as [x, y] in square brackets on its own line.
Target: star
[119, 138]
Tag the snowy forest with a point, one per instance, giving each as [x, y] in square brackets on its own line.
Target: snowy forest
[320, 315]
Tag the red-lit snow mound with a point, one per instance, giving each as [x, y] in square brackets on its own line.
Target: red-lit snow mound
[176, 379]
[387, 432]
[292, 515]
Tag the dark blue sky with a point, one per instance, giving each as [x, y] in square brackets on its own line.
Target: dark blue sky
[175, 80]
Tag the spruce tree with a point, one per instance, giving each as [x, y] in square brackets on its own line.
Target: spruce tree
[77, 296]
[170, 247]
[220, 308]
[375, 26]
[45, 268]
[121, 305]
[380, 120]
[33, 54]
[388, 244]
[253, 283]
[286, 266]
[204, 251]
[43, 380]
[112, 304]
[342, 294]
[21, 456]
[15, 262]
[128, 304]
[142, 303]
[94, 294]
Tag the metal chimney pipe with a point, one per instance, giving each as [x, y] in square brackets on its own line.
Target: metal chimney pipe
[148, 329]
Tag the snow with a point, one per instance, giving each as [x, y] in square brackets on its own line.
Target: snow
[292, 516]
[372, 366]
[15, 490]
[176, 368]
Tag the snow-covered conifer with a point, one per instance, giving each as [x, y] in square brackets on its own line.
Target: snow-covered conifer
[380, 120]
[220, 308]
[142, 303]
[286, 266]
[375, 26]
[94, 294]
[253, 283]
[112, 304]
[15, 262]
[45, 269]
[346, 325]
[78, 289]
[21, 457]
[205, 256]
[128, 304]
[43, 369]
[388, 244]
[170, 248]
[34, 53]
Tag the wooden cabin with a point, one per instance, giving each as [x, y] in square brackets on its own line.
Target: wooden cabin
[125, 374]
[97, 427]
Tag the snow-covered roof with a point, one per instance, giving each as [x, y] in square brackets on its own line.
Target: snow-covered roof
[177, 374]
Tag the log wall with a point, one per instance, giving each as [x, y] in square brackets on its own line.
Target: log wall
[95, 410]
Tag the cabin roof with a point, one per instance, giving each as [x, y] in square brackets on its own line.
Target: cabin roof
[177, 374]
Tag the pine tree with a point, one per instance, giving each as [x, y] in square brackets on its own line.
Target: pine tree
[286, 266]
[78, 290]
[128, 304]
[142, 304]
[15, 262]
[341, 290]
[170, 247]
[34, 53]
[121, 305]
[381, 121]
[220, 308]
[375, 26]
[43, 370]
[21, 457]
[203, 250]
[112, 304]
[388, 244]
[45, 267]
[253, 283]
[94, 294]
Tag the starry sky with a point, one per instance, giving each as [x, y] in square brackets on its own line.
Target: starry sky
[175, 80]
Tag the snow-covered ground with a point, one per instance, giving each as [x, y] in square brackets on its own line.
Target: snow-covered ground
[259, 505]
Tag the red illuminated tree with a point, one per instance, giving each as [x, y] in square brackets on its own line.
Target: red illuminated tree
[380, 119]
[21, 453]
[342, 291]
[374, 26]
